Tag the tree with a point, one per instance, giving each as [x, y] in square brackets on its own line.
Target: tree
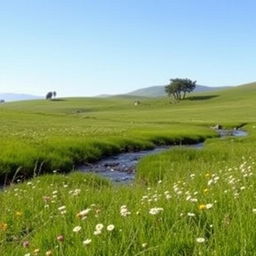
[54, 94]
[179, 87]
[49, 95]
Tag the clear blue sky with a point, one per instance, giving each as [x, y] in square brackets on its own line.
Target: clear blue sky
[90, 47]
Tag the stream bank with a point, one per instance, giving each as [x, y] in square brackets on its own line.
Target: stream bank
[121, 168]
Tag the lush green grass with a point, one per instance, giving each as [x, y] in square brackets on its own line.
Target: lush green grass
[60, 134]
[192, 180]
[44, 136]
[182, 183]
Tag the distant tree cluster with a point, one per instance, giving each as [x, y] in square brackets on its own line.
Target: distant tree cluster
[178, 88]
[51, 95]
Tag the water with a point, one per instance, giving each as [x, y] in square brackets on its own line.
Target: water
[121, 168]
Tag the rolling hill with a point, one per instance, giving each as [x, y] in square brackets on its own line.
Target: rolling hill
[159, 91]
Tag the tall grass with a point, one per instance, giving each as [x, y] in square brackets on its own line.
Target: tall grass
[63, 152]
[204, 204]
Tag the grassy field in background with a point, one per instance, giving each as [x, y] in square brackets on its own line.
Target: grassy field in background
[183, 202]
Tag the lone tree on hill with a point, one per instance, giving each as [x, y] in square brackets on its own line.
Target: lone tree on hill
[49, 95]
[178, 88]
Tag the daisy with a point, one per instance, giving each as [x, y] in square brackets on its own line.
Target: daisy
[77, 229]
[200, 240]
[87, 241]
[110, 227]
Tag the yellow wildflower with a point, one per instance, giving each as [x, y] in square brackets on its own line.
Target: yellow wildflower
[18, 213]
[202, 207]
[3, 226]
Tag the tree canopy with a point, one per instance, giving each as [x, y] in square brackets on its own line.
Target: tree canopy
[51, 95]
[179, 87]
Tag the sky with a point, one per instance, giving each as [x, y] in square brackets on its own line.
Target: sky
[92, 47]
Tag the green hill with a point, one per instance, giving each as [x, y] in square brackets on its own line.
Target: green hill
[159, 91]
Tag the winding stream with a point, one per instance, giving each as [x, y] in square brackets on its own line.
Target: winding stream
[121, 168]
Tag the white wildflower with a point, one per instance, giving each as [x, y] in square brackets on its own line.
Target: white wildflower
[62, 208]
[155, 210]
[99, 226]
[87, 241]
[110, 227]
[77, 229]
[200, 240]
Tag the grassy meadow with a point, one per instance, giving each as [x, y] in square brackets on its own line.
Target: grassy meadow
[183, 201]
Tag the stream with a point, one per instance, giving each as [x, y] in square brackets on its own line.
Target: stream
[121, 168]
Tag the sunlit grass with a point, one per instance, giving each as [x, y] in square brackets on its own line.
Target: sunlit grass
[183, 202]
[205, 207]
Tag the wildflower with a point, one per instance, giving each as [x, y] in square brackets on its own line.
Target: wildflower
[144, 198]
[36, 251]
[208, 206]
[46, 198]
[77, 229]
[254, 210]
[200, 240]
[60, 238]
[99, 226]
[167, 196]
[97, 212]
[48, 253]
[110, 227]
[3, 226]
[191, 214]
[76, 192]
[27, 254]
[124, 211]
[202, 207]
[210, 182]
[25, 244]
[62, 208]
[87, 241]
[144, 245]
[83, 213]
[18, 213]
[97, 232]
[155, 210]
